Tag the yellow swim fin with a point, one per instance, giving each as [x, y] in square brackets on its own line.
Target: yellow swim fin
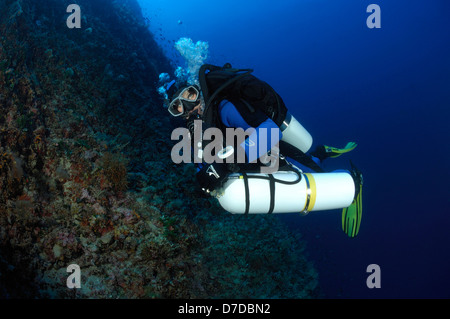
[336, 152]
[351, 216]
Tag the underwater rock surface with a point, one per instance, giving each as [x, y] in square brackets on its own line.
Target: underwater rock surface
[86, 176]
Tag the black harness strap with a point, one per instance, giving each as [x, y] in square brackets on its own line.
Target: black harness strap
[229, 82]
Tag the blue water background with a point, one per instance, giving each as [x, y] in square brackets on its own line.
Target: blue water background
[387, 89]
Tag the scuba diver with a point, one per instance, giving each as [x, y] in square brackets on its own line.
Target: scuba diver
[233, 98]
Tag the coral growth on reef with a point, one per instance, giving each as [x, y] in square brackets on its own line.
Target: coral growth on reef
[86, 176]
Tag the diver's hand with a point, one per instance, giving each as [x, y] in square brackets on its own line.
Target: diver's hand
[211, 176]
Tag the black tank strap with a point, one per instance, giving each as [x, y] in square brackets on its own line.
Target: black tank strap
[247, 193]
[272, 193]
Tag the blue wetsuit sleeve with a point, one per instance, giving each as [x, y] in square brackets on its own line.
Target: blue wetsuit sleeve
[231, 117]
[261, 140]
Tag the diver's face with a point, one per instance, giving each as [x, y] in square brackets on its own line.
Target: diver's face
[187, 102]
[192, 96]
[189, 95]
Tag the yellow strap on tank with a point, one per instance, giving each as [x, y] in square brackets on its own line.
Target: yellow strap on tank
[311, 192]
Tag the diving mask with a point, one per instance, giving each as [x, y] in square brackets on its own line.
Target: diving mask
[185, 101]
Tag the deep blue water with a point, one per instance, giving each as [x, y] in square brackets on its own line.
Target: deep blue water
[387, 89]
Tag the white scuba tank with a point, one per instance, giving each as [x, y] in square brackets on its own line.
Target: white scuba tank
[295, 134]
[286, 192]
